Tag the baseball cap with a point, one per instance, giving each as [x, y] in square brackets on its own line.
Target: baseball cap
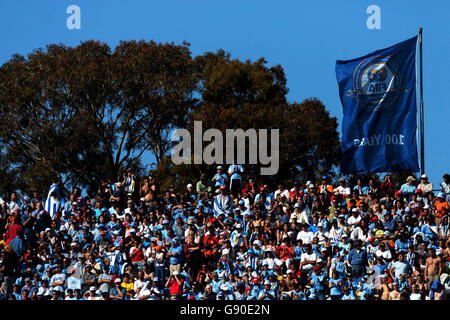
[74, 203]
[224, 287]
[222, 187]
[266, 282]
[118, 280]
[92, 288]
[130, 201]
[241, 202]
[297, 205]
[410, 178]
[424, 176]
[219, 167]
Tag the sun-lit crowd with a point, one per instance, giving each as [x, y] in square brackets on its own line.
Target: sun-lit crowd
[228, 237]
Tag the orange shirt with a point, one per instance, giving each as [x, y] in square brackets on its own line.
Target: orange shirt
[328, 188]
[441, 208]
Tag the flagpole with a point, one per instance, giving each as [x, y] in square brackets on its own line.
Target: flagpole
[422, 138]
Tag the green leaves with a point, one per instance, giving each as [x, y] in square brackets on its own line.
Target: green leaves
[88, 112]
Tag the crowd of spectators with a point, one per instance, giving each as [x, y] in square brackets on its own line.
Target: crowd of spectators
[228, 238]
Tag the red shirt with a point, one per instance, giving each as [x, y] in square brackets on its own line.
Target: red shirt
[175, 288]
[12, 232]
[139, 256]
[211, 241]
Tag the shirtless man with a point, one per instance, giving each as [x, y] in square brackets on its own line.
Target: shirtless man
[289, 283]
[395, 294]
[384, 289]
[433, 266]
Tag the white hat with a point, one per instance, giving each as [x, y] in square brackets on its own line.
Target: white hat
[92, 288]
[175, 273]
[257, 243]
[225, 251]
[118, 280]
[289, 271]
[224, 287]
[424, 176]
[266, 282]
[189, 185]
[238, 226]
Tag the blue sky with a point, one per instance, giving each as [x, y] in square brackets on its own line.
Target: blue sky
[305, 37]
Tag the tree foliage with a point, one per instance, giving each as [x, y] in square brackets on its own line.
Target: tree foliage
[87, 112]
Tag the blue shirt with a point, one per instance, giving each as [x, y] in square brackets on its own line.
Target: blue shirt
[336, 289]
[178, 258]
[220, 179]
[215, 285]
[357, 258]
[318, 282]
[406, 188]
[236, 167]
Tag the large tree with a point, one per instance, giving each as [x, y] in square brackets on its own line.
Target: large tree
[86, 112]
[245, 94]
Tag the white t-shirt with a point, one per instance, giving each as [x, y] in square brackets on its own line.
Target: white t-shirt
[415, 296]
[352, 220]
[343, 190]
[284, 193]
[305, 236]
[386, 254]
[312, 257]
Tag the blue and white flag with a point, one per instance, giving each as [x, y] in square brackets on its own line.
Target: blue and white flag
[53, 202]
[378, 95]
[222, 205]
